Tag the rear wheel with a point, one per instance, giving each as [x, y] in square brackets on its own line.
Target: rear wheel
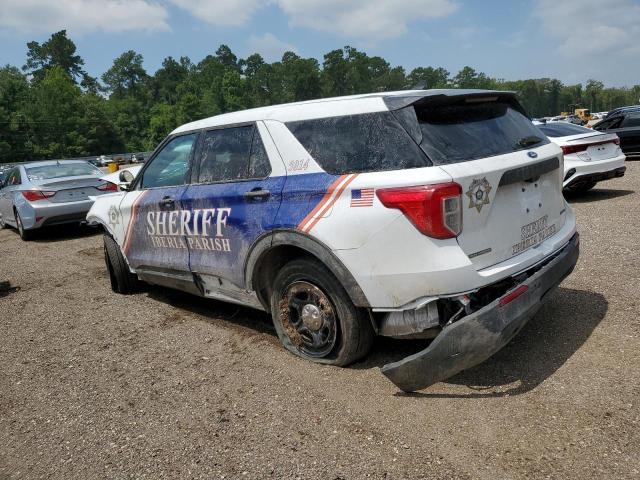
[24, 234]
[314, 316]
[122, 280]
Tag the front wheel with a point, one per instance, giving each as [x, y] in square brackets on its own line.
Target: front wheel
[314, 316]
[122, 280]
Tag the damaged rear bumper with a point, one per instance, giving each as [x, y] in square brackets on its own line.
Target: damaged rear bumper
[476, 337]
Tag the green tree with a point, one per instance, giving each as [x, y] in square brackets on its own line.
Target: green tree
[130, 100]
[593, 90]
[469, 78]
[298, 78]
[227, 58]
[232, 91]
[126, 76]
[431, 77]
[65, 122]
[59, 51]
[165, 82]
[14, 134]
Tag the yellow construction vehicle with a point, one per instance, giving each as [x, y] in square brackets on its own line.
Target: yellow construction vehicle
[583, 114]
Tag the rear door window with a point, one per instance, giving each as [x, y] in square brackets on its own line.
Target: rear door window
[232, 154]
[359, 143]
[468, 130]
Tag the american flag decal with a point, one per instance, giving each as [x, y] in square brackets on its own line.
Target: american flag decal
[362, 197]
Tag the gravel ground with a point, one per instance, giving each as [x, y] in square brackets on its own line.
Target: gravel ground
[165, 385]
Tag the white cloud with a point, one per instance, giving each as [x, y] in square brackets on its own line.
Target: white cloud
[269, 46]
[590, 27]
[225, 13]
[369, 20]
[82, 16]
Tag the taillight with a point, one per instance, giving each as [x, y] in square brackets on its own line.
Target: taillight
[435, 210]
[34, 195]
[569, 149]
[108, 187]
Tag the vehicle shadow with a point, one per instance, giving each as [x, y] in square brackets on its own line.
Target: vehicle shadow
[558, 330]
[214, 311]
[596, 195]
[60, 233]
[6, 289]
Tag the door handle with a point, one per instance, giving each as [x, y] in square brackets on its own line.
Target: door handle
[257, 193]
[167, 202]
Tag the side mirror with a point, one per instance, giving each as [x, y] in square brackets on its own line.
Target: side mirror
[126, 177]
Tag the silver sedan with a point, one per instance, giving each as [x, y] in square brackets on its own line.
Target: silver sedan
[39, 194]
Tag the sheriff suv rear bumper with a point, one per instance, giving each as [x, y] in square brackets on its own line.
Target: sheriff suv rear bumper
[476, 337]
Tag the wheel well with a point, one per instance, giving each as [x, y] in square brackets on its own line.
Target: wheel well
[268, 266]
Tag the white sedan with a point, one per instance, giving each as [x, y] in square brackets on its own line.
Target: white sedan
[115, 176]
[589, 156]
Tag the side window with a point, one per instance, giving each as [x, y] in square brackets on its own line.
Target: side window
[259, 166]
[632, 120]
[226, 155]
[169, 167]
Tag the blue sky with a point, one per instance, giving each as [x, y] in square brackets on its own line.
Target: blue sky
[572, 40]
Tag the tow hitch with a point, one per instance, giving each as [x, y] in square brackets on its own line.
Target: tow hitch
[475, 337]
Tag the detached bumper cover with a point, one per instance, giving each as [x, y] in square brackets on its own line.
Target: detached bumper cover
[476, 337]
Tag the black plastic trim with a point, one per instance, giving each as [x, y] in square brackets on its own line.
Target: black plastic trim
[529, 172]
[316, 248]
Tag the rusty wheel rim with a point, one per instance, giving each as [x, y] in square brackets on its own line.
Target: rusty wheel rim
[309, 319]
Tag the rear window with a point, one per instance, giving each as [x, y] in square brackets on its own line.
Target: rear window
[46, 172]
[463, 131]
[359, 143]
[562, 129]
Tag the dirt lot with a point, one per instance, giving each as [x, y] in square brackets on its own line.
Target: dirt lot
[162, 384]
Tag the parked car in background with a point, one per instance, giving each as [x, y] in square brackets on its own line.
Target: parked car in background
[629, 108]
[414, 214]
[114, 178]
[138, 157]
[626, 125]
[103, 160]
[39, 194]
[589, 157]
[4, 170]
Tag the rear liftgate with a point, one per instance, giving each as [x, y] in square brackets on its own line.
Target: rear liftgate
[475, 337]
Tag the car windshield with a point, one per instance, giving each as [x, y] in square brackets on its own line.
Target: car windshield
[59, 170]
[463, 131]
[563, 129]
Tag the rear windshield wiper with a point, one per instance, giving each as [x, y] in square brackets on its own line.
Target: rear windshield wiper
[525, 142]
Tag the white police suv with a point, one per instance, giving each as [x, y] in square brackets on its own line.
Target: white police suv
[415, 214]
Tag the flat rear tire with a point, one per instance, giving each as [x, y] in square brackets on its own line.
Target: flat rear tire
[314, 317]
